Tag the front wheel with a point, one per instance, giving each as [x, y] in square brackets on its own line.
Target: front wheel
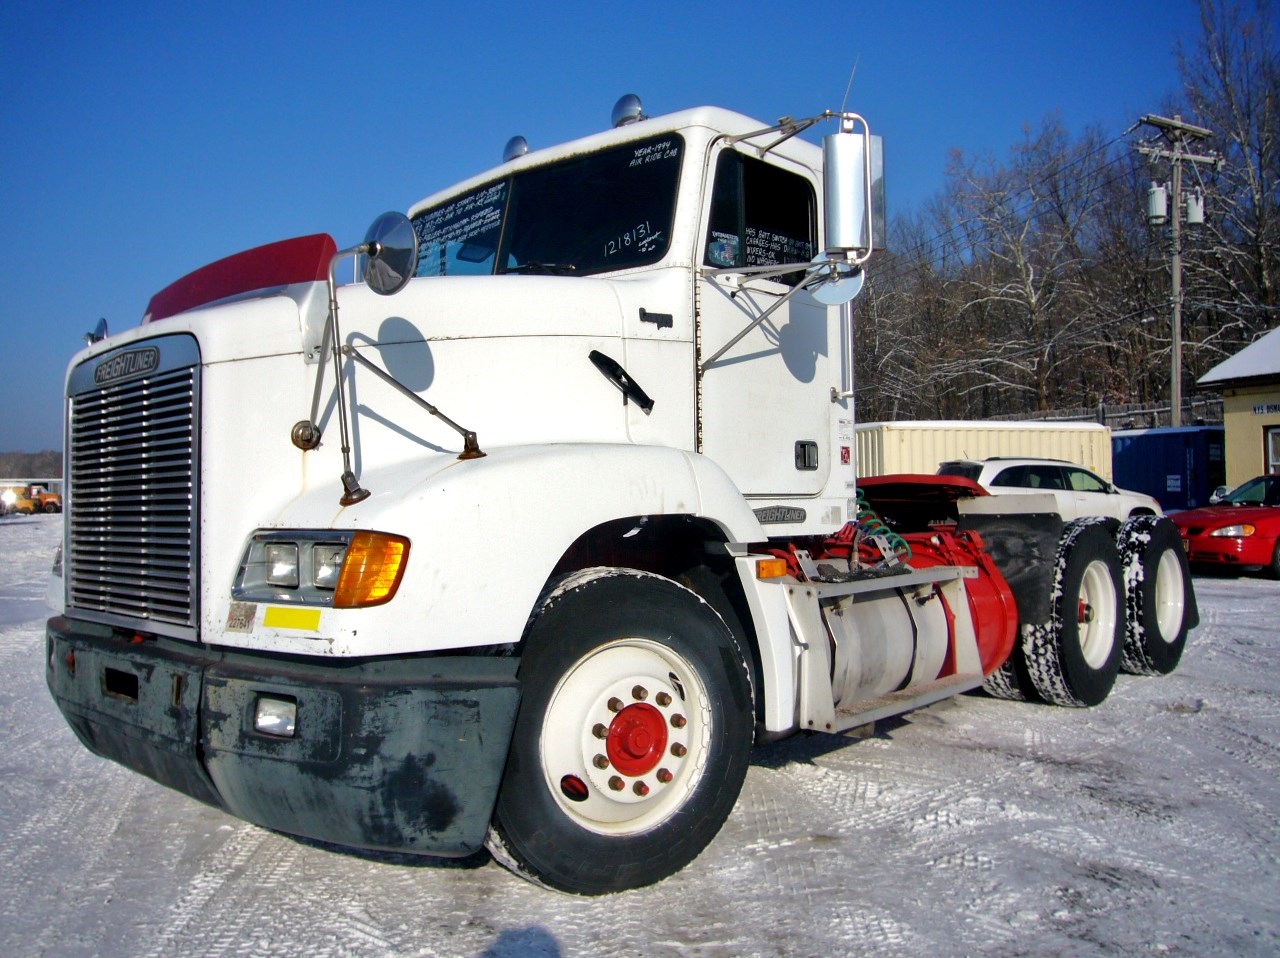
[633, 736]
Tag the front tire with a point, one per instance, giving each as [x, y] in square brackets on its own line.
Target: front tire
[633, 736]
[1074, 660]
[1159, 603]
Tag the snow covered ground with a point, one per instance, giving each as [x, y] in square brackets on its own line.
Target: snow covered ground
[1145, 826]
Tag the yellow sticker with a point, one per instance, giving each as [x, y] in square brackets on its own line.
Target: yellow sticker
[279, 617]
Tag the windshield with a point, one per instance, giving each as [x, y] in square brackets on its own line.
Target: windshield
[969, 470]
[1263, 491]
[594, 213]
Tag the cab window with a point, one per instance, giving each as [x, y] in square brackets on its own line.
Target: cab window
[761, 215]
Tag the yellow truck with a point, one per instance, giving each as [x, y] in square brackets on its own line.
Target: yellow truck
[29, 499]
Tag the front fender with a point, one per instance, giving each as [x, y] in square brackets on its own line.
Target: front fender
[485, 535]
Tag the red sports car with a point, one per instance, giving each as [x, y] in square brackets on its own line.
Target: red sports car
[1241, 531]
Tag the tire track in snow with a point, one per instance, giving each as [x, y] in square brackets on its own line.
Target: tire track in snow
[191, 910]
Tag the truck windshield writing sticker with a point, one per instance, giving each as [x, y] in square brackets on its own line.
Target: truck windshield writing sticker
[588, 214]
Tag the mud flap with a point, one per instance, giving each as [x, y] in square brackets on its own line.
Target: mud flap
[1023, 547]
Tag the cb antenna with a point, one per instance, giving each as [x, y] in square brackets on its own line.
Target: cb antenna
[852, 73]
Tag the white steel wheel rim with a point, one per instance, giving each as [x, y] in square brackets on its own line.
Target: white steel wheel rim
[1170, 596]
[1096, 614]
[625, 789]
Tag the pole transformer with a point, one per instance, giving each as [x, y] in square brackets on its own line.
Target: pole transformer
[1177, 136]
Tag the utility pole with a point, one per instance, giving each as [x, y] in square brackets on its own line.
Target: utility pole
[1177, 136]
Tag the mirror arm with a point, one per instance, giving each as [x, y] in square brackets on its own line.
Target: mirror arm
[750, 326]
[470, 444]
[391, 247]
[352, 491]
[819, 273]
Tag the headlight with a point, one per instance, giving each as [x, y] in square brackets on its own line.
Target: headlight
[326, 564]
[344, 570]
[1240, 531]
[281, 560]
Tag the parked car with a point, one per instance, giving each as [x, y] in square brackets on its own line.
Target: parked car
[1078, 491]
[1242, 531]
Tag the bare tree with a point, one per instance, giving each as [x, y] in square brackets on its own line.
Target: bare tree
[1034, 283]
[1231, 84]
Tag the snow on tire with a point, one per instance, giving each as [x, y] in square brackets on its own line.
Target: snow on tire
[1159, 603]
[1073, 660]
[633, 736]
[1010, 681]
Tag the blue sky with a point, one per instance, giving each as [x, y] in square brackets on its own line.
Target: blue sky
[143, 140]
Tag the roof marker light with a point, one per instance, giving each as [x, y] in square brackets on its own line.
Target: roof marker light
[627, 110]
[516, 147]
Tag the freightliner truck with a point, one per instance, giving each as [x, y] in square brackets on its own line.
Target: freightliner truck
[522, 535]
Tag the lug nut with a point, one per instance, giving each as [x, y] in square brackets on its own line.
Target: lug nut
[617, 784]
[616, 704]
[663, 699]
[678, 721]
[664, 776]
[639, 693]
[678, 750]
[640, 788]
[600, 761]
[600, 731]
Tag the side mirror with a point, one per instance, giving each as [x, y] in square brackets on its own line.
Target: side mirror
[1218, 495]
[391, 248]
[853, 190]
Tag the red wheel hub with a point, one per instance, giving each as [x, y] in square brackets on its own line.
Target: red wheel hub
[637, 739]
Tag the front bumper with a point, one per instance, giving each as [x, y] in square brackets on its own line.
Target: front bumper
[1233, 551]
[400, 755]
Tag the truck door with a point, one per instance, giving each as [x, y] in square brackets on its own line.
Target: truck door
[765, 405]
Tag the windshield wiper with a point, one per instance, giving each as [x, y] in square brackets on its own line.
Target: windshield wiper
[549, 269]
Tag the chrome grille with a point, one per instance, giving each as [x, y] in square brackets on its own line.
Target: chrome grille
[132, 497]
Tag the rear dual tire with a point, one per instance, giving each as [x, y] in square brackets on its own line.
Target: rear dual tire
[1159, 604]
[1074, 659]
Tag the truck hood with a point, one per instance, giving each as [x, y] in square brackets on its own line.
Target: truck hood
[1212, 517]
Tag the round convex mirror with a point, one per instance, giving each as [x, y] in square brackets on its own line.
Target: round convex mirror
[393, 253]
[843, 283]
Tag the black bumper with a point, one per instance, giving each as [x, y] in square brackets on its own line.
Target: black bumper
[401, 755]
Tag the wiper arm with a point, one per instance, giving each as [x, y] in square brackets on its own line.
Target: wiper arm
[549, 269]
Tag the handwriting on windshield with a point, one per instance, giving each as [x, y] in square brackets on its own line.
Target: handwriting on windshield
[653, 152]
[767, 248]
[640, 239]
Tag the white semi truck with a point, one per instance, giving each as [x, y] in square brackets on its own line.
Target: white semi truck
[525, 538]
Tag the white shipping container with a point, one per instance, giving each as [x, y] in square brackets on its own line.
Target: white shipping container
[882, 448]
